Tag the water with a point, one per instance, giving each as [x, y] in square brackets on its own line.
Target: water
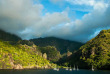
[62, 71]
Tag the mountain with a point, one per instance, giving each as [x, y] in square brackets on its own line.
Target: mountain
[21, 57]
[5, 36]
[22, 54]
[52, 53]
[60, 44]
[95, 52]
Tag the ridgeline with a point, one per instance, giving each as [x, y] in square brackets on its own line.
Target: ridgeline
[95, 52]
[21, 54]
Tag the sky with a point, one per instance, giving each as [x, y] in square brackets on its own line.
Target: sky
[76, 20]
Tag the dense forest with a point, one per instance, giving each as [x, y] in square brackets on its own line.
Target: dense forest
[60, 44]
[95, 52]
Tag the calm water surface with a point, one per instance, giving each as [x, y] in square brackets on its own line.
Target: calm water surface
[62, 71]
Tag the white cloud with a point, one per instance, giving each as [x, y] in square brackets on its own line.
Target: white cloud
[87, 2]
[82, 2]
[25, 19]
[95, 4]
[86, 28]
[84, 5]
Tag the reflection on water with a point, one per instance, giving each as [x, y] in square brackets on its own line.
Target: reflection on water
[61, 71]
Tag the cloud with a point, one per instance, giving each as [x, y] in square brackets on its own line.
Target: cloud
[87, 2]
[83, 5]
[17, 15]
[86, 28]
[24, 18]
[82, 2]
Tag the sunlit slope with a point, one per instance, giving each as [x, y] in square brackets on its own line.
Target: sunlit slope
[21, 56]
[96, 52]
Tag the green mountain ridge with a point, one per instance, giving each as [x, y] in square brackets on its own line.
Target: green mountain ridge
[95, 52]
[20, 57]
[20, 54]
[5, 36]
[60, 44]
[52, 53]
[41, 52]
[56, 49]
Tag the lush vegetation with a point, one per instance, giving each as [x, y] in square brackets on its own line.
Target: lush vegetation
[21, 56]
[63, 46]
[97, 51]
[56, 49]
[52, 54]
[5, 36]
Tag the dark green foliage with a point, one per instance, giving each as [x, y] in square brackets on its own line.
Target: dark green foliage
[60, 44]
[56, 46]
[8, 37]
[27, 42]
[52, 54]
[74, 59]
[96, 52]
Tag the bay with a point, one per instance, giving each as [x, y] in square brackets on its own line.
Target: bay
[50, 71]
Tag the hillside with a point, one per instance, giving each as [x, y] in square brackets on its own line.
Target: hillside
[5, 36]
[21, 57]
[52, 53]
[60, 44]
[22, 54]
[95, 52]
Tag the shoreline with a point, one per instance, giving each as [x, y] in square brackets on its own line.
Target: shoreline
[53, 68]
